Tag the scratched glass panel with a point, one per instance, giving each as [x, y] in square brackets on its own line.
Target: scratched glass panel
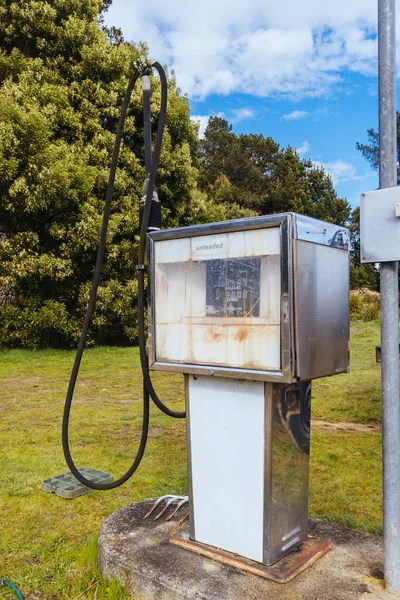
[233, 287]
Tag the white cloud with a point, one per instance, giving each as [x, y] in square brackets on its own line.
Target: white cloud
[303, 149]
[241, 114]
[295, 115]
[340, 171]
[290, 48]
[202, 121]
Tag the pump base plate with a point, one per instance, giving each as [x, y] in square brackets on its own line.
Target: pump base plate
[282, 571]
[67, 486]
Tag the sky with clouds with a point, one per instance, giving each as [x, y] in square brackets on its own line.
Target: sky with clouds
[304, 73]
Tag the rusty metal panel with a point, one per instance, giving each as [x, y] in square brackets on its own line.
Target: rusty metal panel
[217, 300]
[321, 284]
[282, 572]
[231, 244]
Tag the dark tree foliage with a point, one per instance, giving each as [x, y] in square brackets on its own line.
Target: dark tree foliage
[255, 174]
[61, 87]
[370, 151]
[361, 275]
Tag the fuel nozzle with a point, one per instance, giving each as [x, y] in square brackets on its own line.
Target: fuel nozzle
[155, 221]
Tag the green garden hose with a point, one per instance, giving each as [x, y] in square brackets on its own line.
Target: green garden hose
[12, 587]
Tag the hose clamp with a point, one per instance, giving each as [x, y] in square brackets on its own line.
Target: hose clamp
[144, 65]
[141, 268]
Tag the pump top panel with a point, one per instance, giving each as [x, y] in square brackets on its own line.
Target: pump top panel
[261, 298]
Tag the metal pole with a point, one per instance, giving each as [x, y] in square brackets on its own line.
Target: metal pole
[389, 301]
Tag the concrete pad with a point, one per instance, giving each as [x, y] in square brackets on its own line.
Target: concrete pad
[138, 553]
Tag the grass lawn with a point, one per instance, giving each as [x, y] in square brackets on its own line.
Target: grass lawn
[48, 545]
[354, 397]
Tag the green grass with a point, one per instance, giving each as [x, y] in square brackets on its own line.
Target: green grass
[48, 545]
[356, 396]
[345, 479]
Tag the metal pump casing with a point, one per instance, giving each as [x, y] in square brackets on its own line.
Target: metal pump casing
[250, 311]
[299, 328]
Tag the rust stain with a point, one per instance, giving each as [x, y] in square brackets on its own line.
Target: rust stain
[241, 335]
[213, 336]
[282, 571]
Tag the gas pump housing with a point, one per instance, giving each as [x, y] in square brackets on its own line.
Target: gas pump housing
[250, 311]
[264, 298]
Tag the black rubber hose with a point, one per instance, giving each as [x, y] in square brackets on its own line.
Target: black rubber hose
[142, 252]
[147, 131]
[88, 319]
[148, 389]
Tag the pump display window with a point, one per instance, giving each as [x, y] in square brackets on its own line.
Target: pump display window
[224, 289]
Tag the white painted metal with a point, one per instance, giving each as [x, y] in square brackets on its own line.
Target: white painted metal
[379, 221]
[184, 332]
[236, 244]
[227, 463]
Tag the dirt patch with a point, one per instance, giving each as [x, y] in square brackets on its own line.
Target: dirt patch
[354, 329]
[340, 427]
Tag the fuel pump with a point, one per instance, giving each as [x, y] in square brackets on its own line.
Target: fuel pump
[250, 311]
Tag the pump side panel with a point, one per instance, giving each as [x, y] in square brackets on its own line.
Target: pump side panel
[321, 283]
[226, 436]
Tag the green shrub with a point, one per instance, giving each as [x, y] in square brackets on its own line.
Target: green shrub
[364, 305]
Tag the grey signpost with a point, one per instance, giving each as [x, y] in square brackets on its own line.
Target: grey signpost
[389, 300]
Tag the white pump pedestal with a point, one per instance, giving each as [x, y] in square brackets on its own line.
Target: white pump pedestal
[248, 474]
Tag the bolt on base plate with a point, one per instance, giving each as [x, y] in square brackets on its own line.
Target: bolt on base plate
[283, 571]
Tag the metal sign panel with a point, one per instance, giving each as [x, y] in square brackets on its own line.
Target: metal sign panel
[226, 463]
[380, 225]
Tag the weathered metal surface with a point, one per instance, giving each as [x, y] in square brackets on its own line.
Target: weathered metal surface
[200, 322]
[389, 287]
[286, 466]
[378, 222]
[226, 463]
[251, 459]
[282, 572]
[238, 337]
[217, 299]
[321, 276]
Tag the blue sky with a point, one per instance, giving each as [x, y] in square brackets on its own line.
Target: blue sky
[303, 73]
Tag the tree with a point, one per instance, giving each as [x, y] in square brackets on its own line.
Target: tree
[62, 80]
[370, 151]
[255, 174]
[363, 272]
[361, 275]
